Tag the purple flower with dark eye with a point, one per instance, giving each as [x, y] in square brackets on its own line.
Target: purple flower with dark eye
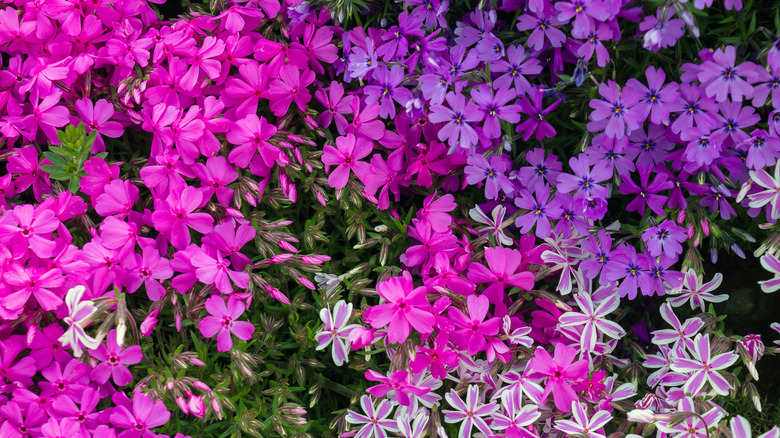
[611, 151]
[647, 192]
[762, 149]
[769, 83]
[593, 43]
[543, 27]
[516, 65]
[536, 124]
[717, 199]
[387, 88]
[701, 149]
[694, 109]
[773, 56]
[434, 86]
[461, 60]
[654, 99]
[734, 118]
[541, 169]
[665, 238]
[362, 61]
[496, 107]
[479, 168]
[651, 146]
[626, 266]
[396, 45]
[571, 217]
[479, 26]
[458, 117]
[584, 12]
[585, 179]
[614, 113]
[603, 255]
[540, 210]
[722, 78]
[658, 278]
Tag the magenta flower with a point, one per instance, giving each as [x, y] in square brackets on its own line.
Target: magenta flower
[176, 215]
[399, 382]
[560, 371]
[212, 268]
[704, 368]
[46, 115]
[214, 176]
[229, 238]
[457, 131]
[436, 212]
[503, 270]
[223, 321]
[647, 192]
[251, 135]
[346, 157]
[139, 419]
[289, 88]
[29, 281]
[96, 117]
[114, 359]
[473, 329]
[31, 227]
[407, 307]
[210, 48]
[437, 358]
[117, 199]
[336, 105]
[536, 125]
[148, 269]
[25, 164]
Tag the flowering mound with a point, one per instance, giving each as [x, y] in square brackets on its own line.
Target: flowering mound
[496, 216]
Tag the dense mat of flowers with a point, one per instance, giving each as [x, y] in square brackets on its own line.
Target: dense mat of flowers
[202, 218]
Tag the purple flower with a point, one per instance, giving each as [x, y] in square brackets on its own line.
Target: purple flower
[647, 192]
[495, 107]
[541, 170]
[627, 267]
[543, 27]
[603, 255]
[722, 78]
[593, 43]
[397, 44]
[734, 118]
[694, 109]
[585, 179]
[651, 146]
[703, 367]
[458, 130]
[479, 168]
[536, 124]
[655, 97]
[770, 83]
[701, 149]
[614, 113]
[665, 239]
[540, 210]
[762, 149]
[658, 278]
[387, 88]
[517, 65]
[717, 199]
[584, 12]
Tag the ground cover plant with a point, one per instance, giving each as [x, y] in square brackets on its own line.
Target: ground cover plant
[353, 218]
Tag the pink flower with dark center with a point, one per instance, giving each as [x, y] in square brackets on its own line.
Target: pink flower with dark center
[289, 88]
[114, 359]
[141, 417]
[28, 170]
[148, 269]
[251, 135]
[31, 226]
[212, 268]
[223, 321]
[346, 156]
[407, 307]
[399, 382]
[176, 215]
[96, 117]
[560, 370]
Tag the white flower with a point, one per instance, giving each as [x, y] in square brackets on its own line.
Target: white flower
[78, 314]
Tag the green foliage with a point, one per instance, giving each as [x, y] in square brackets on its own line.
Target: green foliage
[69, 157]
